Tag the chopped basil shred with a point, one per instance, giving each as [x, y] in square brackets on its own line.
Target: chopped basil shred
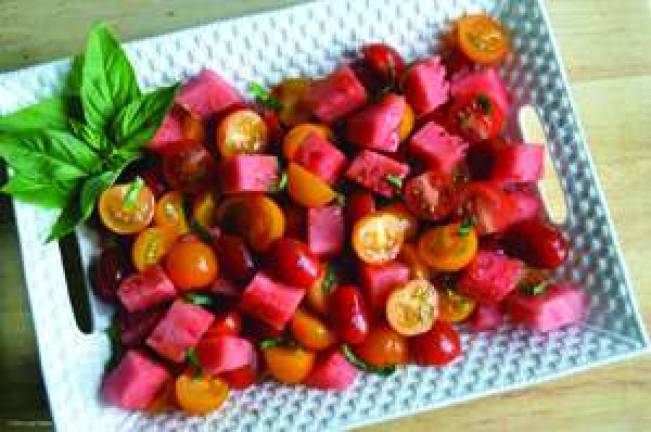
[201, 232]
[131, 196]
[263, 96]
[485, 103]
[361, 365]
[466, 226]
[330, 279]
[198, 299]
[276, 342]
[281, 185]
[394, 181]
[535, 289]
[193, 360]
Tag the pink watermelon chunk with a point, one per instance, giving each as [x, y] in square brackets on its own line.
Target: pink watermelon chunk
[207, 94]
[518, 164]
[379, 280]
[487, 81]
[135, 327]
[490, 277]
[170, 131]
[336, 95]
[180, 329]
[486, 317]
[134, 383]
[249, 173]
[325, 230]
[271, 301]
[440, 150]
[148, 288]
[224, 353]
[426, 87]
[560, 305]
[332, 372]
[321, 157]
[371, 170]
[526, 205]
[376, 126]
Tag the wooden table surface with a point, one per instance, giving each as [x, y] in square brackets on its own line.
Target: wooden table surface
[605, 45]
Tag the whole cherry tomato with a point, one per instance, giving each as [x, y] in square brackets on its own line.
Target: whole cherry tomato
[349, 315]
[289, 364]
[190, 168]
[437, 347]
[225, 324]
[291, 261]
[476, 117]
[384, 60]
[311, 332]
[235, 258]
[431, 196]
[191, 265]
[383, 347]
[538, 243]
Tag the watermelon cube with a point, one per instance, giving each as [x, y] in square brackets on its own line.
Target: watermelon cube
[490, 277]
[146, 289]
[134, 383]
[560, 305]
[486, 317]
[271, 301]
[320, 157]
[336, 95]
[170, 131]
[135, 327]
[426, 87]
[249, 173]
[326, 230]
[376, 126]
[332, 372]
[440, 150]
[486, 81]
[207, 94]
[525, 205]
[379, 280]
[518, 164]
[180, 329]
[372, 170]
[224, 353]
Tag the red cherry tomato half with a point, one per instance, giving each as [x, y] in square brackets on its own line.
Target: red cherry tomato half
[476, 117]
[489, 205]
[349, 315]
[291, 261]
[225, 324]
[431, 196]
[189, 169]
[235, 258]
[358, 206]
[538, 243]
[384, 60]
[437, 347]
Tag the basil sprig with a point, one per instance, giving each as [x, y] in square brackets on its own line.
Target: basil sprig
[65, 151]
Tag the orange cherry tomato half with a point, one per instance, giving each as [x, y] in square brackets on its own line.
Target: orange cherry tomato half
[241, 132]
[408, 218]
[290, 94]
[417, 267]
[454, 307]
[289, 364]
[482, 39]
[311, 332]
[204, 209]
[378, 237]
[297, 135]
[125, 209]
[383, 347]
[151, 246]
[407, 123]
[169, 212]
[412, 309]
[308, 189]
[448, 248]
[191, 265]
[318, 295]
[192, 128]
[199, 395]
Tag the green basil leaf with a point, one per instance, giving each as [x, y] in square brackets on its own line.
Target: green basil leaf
[94, 138]
[50, 154]
[68, 219]
[37, 190]
[49, 114]
[361, 365]
[108, 82]
[198, 299]
[92, 189]
[73, 82]
[138, 121]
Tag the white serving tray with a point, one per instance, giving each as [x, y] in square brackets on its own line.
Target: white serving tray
[311, 39]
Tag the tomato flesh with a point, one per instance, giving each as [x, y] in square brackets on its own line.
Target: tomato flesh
[377, 238]
[477, 117]
[241, 132]
[431, 196]
[482, 39]
[151, 246]
[189, 169]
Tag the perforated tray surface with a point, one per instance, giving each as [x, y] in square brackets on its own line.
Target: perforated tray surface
[311, 40]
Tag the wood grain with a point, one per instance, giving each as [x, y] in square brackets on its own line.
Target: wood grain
[605, 46]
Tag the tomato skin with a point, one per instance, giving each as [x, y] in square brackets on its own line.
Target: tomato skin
[383, 347]
[225, 324]
[358, 206]
[454, 307]
[289, 365]
[437, 347]
[349, 314]
[299, 133]
[317, 297]
[235, 258]
[169, 212]
[189, 169]
[291, 261]
[200, 395]
[311, 332]
[192, 127]
[431, 196]
[476, 117]
[110, 269]
[191, 265]
[482, 39]
[122, 219]
[307, 189]
[417, 267]
[539, 244]
[203, 209]
[151, 246]
[409, 219]
[444, 249]
[407, 123]
[384, 60]
[290, 93]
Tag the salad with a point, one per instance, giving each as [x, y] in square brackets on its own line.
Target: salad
[324, 228]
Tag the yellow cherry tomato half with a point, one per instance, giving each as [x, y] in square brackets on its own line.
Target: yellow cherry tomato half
[204, 209]
[200, 395]
[290, 94]
[482, 39]
[448, 248]
[241, 132]
[170, 212]
[378, 237]
[307, 189]
[311, 332]
[401, 211]
[152, 245]
[127, 208]
[412, 309]
[407, 123]
[289, 364]
[417, 267]
[454, 307]
[298, 134]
